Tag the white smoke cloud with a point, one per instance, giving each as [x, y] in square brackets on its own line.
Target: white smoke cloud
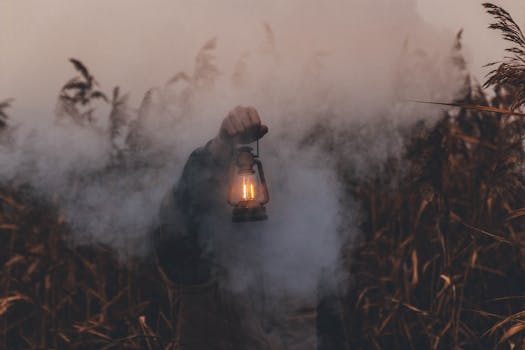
[346, 65]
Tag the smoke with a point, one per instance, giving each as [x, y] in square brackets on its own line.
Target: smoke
[306, 66]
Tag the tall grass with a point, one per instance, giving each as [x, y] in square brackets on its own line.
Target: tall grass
[4, 105]
[510, 73]
[440, 265]
[442, 262]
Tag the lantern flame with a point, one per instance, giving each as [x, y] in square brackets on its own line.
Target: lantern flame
[247, 195]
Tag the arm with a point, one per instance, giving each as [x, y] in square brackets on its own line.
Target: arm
[176, 242]
[201, 188]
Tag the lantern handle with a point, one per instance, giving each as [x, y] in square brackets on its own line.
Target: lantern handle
[263, 181]
[256, 155]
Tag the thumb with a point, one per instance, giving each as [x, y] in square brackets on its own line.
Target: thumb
[263, 130]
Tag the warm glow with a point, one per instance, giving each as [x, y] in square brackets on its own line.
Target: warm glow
[247, 194]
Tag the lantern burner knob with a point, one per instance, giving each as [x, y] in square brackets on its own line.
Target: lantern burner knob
[249, 211]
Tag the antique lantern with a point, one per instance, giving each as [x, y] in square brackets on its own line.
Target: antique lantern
[248, 192]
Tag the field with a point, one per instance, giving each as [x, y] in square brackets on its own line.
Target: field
[440, 264]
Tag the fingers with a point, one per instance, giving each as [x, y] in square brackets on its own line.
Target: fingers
[244, 119]
[235, 118]
[263, 130]
[227, 127]
[243, 124]
[253, 116]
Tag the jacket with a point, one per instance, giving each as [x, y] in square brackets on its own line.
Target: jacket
[208, 314]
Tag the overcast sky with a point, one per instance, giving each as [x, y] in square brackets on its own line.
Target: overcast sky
[138, 44]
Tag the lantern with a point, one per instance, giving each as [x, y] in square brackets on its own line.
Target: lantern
[248, 192]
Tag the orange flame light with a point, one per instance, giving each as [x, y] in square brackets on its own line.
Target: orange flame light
[248, 192]
[247, 195]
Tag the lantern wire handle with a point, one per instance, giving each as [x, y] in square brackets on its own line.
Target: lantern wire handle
[257, 148]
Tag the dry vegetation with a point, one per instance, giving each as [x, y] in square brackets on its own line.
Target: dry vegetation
[56, 296]
[441, 264]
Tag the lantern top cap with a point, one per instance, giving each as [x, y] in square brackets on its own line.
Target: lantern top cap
[245, 149]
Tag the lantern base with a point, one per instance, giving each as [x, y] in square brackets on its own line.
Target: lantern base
[244, 213]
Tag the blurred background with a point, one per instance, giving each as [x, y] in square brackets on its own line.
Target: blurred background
[149, 40]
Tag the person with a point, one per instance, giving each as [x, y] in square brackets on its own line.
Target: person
[207, 315]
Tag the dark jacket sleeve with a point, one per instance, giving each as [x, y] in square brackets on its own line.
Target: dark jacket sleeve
[176, 242]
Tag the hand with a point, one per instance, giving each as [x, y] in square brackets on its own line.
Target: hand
[242, 125]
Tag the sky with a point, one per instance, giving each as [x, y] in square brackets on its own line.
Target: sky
[482, 45]
[140, 44]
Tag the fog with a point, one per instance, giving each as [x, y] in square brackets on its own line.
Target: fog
[345, 65]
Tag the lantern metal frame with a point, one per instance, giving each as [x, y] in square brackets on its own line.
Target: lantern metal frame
[252, 209]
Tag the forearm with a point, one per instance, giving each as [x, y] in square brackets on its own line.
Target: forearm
[201, 187]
